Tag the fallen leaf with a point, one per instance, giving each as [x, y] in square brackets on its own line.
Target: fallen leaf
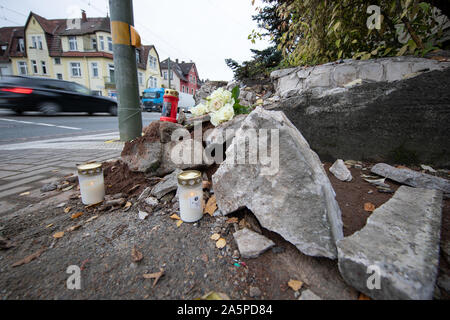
[369, 207]
[67, 210]
[58, 235]
[156, 276]
[179, 223]
[91, 218]
[127, 206]
[77, 215]
[136, 255]
[221, 243]
[215, 237]
[30, 258]
[295, 284]
[67, 189]
[48, 226]
[362, 296]
[232, 220]
[24, 193]
[73, 228]
[211, 206]
[175, 217]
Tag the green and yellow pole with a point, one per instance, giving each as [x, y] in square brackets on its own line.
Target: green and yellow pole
[125, 40]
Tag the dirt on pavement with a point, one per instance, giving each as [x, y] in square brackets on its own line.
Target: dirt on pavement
[101, 243]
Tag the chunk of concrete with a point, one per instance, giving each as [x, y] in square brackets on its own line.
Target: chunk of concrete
[289, 194]
[411, 178]
[309, 295]
[396, 255]
[168, 184]
[340, 171]
[251, 244]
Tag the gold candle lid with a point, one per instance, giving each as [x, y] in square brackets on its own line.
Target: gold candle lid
[190, 178]
[89, 169]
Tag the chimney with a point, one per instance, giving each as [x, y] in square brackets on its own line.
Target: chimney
[83, 16]
[176, 60]
[182, 61]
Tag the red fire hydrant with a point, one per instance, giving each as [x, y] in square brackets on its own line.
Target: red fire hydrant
[170, 106]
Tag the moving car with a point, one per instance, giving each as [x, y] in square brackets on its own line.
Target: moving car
[152, 99]
[50, 96]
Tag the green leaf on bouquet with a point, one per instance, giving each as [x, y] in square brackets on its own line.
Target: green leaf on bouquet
[235, 94]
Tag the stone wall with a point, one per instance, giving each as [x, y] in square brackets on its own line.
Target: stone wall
[317, 79]
[397, 119]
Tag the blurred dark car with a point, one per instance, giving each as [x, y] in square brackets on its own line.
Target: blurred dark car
[51, 96]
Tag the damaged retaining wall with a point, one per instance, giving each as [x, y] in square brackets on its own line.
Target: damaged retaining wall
[396, 116]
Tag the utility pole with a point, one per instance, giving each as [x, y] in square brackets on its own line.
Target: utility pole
[125, 66]
[168, 68]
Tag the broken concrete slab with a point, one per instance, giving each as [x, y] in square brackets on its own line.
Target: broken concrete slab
[296, 201]
[340, 171]
[167, 184]
[399, 246]
[309, 295]
[411, 178]
[251, 244]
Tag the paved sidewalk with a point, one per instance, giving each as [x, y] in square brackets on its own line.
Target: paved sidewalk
[27, 166]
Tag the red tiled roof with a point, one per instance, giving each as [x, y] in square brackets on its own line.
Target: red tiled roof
[10, 36]
[86, 54]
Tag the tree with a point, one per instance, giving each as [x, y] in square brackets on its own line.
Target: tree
[320, 31]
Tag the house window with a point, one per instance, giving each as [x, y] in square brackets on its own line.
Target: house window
[94, 44]
[21, 45]
[33, 42]
[140, 78]
[44, 67]
[110, 46]
[23, 70]
[34, 66]
[153, 62]
[39, 39]
[75, 68]
[192, 91]
[102, 43]
[57, 60]
[138, 56]
[182, 89]
[73, 43]
[165, 75]
[59, 76]
[94, 69]
[153, 82]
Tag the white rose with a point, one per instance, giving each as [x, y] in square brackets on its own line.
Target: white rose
[199, 110]
[223, 114]
[218, 99]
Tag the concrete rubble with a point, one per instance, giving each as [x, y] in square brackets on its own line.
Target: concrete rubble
[296, 201]
[401, 242]
[309, 295]
[411, 178]
[340, 171]
[251, 244]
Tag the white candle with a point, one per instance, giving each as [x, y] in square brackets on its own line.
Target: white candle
[190, 196]
[92, 185]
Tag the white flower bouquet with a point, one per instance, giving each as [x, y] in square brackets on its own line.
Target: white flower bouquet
[221, 105]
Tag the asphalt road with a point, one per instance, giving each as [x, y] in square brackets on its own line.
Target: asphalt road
[33, 126]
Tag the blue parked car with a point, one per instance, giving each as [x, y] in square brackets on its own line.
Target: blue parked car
[152, 99]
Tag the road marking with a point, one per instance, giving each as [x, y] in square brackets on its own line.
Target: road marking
[41, 124]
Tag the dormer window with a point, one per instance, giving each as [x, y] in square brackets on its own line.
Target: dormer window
[73, 43]
[21, 45]
[94, 44]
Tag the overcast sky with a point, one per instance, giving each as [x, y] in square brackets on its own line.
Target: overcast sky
[204, 31]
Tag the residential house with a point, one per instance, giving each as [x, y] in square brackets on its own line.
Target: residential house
[11, 45]
[184, 76]
[79, 50]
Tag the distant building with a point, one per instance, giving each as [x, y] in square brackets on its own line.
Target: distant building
[11, 46]
[184, 76]
[78, 50]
